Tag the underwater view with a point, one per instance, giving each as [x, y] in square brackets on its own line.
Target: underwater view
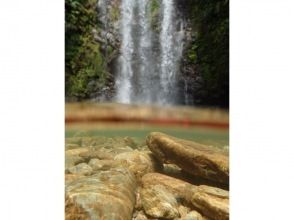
[147, 109]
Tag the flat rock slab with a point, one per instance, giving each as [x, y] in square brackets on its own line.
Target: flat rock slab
[180, 189]
[212, 202]
[196, 159]
[108, 195]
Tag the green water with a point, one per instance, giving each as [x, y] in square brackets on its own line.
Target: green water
[214, 137]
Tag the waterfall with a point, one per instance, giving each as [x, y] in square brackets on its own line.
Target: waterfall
[171, 43]
[123, 80]
[148, 65]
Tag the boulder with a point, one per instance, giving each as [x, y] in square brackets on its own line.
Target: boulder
[108, 195]
[158, 202]
[196, 159]
[139, 162]
[180, 189]
[212, 202]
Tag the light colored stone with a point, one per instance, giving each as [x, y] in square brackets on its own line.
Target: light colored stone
[183, 210]
[81, 169]
[72, 157]
[193, 215]
[180, 189]
[212, 202]
[108, 195]
[140, 216]
[71, 177]
[71, 161]
[139, 163]
[76, 151]
[194, 158]
[158, 202]
[97, 164]
[97, 154]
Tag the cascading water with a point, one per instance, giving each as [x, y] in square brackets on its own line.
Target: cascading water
[124, 77]
[171, 51]
[148, 65]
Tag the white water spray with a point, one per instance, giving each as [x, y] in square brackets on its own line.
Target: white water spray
[123, 80]
[149, 61]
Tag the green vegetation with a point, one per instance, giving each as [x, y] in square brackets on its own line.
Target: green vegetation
[115, 13]
[210, 47]
[83, 59]
[154, 14]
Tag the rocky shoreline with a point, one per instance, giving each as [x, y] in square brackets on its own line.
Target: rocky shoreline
[166, 178]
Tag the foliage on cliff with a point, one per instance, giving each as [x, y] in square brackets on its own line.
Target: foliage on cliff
[210, 47]
[83, 61]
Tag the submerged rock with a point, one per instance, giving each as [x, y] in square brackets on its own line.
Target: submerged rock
[139, 163]
[97, 164]
[212, 202]
[194, 158]
[81, 169]
[139, 216]
[180, 189]
[108, 195]
[193, 215]
[158, 202]
[72, 157]
[71, 177]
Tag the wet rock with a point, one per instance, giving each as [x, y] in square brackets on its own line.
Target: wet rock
[71, 161]
[98, 154]
[183, 191]
[158, 202]
[76, 151]
[97, 164]
[183, 210]
[172, 170]
[194, 158]
[130, 142]
[193, 215]
[71, 146]
[71, 177]
[81, 169]
[212, 202]
[139, 216]
[108, 195]
[138, 162]
[72, 157]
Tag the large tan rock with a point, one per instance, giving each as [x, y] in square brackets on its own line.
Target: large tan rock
[158, 202]
[194, 158]
[212, 202]
[108, 195]
[180, 189]
[139, 162]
